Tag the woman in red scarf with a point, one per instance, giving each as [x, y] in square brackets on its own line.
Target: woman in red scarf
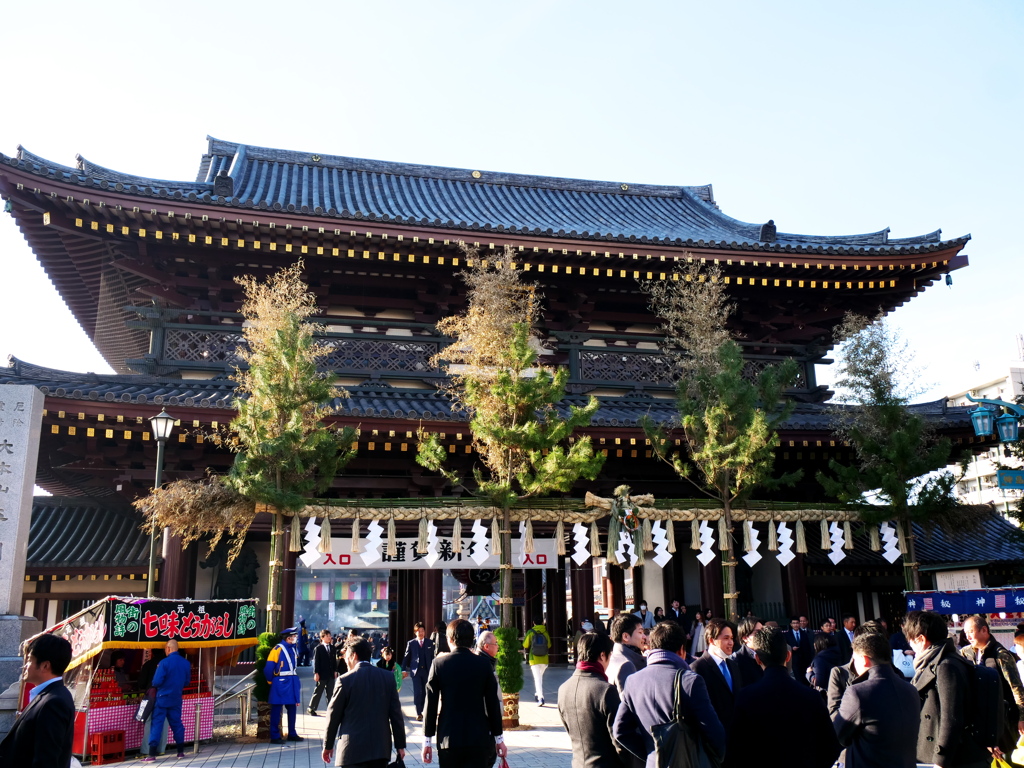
[587, 704]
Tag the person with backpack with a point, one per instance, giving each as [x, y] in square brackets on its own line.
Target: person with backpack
[537, 643]
[986, 651]
[950, 693]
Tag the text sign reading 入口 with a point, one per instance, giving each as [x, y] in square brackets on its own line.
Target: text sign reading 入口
[407, 557]
[1011, 478]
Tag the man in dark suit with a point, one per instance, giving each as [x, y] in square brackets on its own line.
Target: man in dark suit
[364, 714]
[879, 718]
[587, 703]
[647, 699]
[42, 735]
[325, 669]
[721, 674]
[746, 659]
[462, 686]
[778, 716]
[802, 647]
[844, 637]
[419, 655]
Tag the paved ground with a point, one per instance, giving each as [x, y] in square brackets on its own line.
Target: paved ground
[546, 745]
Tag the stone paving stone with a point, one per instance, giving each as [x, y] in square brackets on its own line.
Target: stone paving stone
[546, 745]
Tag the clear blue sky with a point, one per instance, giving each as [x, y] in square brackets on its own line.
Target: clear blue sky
[828, 118]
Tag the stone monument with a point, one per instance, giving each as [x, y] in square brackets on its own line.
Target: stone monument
[21, 423]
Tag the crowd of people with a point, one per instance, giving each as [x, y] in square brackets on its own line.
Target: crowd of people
[838, 695]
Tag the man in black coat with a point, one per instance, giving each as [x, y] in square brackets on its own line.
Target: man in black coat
[879, 717]
[746, 659]
[845, 635]
[42, 735]
[364, 714]
[462, 686]
[778, 716]
[419, 655]
[587, 704]
[325, 669]
[943, 680]
[802, 646]
[721, 674]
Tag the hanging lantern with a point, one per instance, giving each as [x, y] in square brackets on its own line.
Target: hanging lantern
[983, 419]
[1006, 428]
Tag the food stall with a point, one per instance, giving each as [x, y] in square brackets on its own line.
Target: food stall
[210, 634]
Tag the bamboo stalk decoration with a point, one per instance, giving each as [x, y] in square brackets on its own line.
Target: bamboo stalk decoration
[356, 546]
[801, 538]
[847, 535]
[421, 542]
[457, 535]
[826, 539]
[873, 538]
[559, 538]
[694, 533]
[295, 539]
[495, 537]
[392, 549]
[324, 547]
[671, 526]
[595, 540]
[528, 538]
[773, 537]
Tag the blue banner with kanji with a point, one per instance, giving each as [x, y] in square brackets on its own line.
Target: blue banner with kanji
[969, 601]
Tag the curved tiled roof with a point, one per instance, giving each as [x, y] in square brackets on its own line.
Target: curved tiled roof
[334, 186]
[379, 400]
[80, 533]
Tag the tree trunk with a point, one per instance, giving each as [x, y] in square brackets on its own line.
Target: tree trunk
[262, 720]
[274, 574]
[510, 715]
[506, 571]
[729, 564]
[911, 575]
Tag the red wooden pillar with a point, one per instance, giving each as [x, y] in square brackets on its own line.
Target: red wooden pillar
[407, 597]
[796, 586]
[557, 590]
[582, 582]
[712, 596]
[430, 598]
[534, 603]
[616, 589]
[672, 573]
[173, 578]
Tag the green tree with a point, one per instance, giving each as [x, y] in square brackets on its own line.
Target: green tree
[522, 441]
[285, 451]
[728, 419]
[896, 451]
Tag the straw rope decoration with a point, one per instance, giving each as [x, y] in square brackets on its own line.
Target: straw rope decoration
[392, 548]
[695, 534]
[356, 547]
[747, 546]
[671, 536]
[528, 538]
[595, 540]
[559, 538]
[901, 537]
[847, 535]
[723, 535]
[421, 542]
[495, 537]
[646, 535]
[457, 535]
[773, 537]
[801, 538]
[324, 547]
[873, 539]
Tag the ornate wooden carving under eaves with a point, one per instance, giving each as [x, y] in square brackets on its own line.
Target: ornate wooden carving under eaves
[385, 355]
[607, 365]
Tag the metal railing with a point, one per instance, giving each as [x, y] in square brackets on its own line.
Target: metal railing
[241, 690]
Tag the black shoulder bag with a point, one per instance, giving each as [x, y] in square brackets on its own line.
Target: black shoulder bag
[679, 744]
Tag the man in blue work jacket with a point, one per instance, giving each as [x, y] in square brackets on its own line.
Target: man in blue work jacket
[281, 672]
[172, 675]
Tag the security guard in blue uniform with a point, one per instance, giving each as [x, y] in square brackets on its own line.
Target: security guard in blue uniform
[281, 672]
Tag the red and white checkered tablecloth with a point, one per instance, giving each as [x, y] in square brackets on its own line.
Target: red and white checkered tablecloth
[122, 718]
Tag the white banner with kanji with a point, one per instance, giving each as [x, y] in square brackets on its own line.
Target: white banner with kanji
[440, 554]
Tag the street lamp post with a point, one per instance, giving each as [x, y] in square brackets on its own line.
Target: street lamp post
[163, 425]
